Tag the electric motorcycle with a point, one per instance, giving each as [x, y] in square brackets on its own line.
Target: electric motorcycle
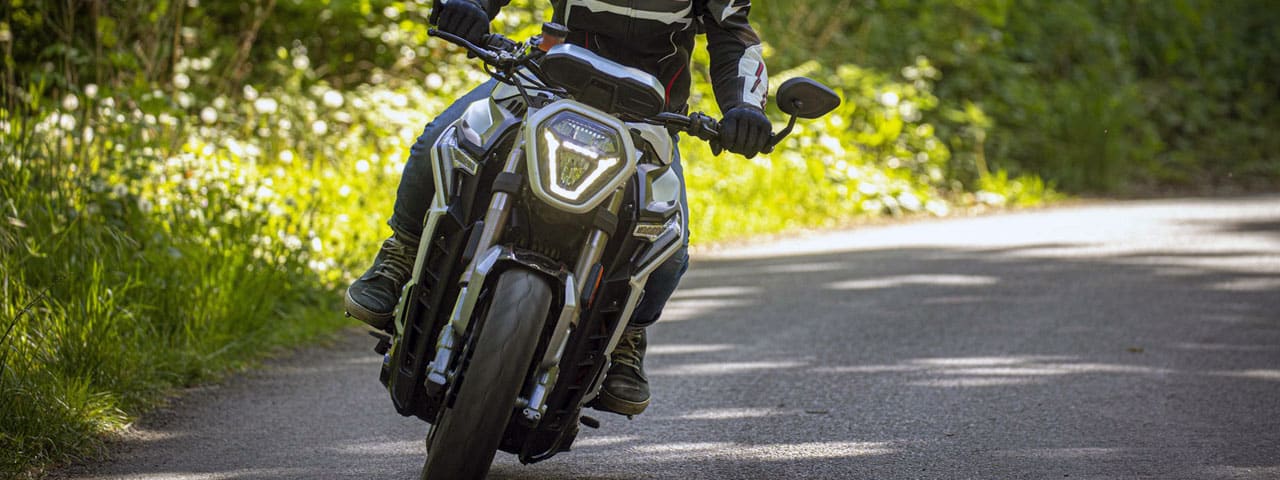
[555, 199]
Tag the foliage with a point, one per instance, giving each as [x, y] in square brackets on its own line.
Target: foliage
[1097, 95]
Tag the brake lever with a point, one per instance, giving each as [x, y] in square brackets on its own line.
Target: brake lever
[472, 48]
[716, 149]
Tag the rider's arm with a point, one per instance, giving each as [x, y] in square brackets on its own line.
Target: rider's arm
[738, 74]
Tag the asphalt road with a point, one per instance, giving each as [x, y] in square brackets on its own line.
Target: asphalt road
[1119, 340]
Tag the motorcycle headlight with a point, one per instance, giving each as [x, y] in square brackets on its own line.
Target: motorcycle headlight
[577, 158]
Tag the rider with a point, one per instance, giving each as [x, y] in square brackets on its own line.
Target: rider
[655, 36]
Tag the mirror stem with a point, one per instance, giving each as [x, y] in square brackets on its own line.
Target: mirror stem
[777, 137]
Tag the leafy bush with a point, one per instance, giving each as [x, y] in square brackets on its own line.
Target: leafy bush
[1096, 95]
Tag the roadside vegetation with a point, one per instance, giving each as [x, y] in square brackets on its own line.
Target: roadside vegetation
[186, 186]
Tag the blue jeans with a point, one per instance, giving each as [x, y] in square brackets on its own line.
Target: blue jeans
[417, 185]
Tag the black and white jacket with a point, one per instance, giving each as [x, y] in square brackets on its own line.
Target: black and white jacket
[657, 37]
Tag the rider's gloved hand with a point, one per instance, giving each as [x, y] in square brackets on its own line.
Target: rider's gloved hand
[463, 18]
[745, 130]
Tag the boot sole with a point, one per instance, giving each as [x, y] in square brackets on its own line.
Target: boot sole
[369, 317]
[620, 406]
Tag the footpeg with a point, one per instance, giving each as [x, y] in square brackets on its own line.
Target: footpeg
[589, 422]
[384, 342]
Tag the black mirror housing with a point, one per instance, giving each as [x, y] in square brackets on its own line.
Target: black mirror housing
[806, 98]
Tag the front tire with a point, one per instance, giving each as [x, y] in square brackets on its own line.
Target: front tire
[464, 438]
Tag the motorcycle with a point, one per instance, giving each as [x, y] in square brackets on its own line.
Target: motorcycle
[554, 201]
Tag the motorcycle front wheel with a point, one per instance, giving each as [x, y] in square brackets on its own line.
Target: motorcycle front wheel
[465, 437]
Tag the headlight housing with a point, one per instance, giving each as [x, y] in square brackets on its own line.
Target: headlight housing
[577, 155]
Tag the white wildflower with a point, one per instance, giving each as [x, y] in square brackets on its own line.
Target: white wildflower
[266, 105]
[362, 166]
[301, 62]
[67, 122]
[264, 192]
[434, 81]
[91, 90]
[181, 81]
[319, 127]
[316, 244]
[909, 112]
[937, 207]
[991, 198]
[333, 99]
[70, 102]
[208, 115]
[250, 93]
[344, 191]
[909, 201]
[889, 99]
[286, 156]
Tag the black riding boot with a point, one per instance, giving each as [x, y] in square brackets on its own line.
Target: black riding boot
[373, 297]
[626, 390]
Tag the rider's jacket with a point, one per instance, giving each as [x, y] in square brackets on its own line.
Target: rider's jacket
[657, 37]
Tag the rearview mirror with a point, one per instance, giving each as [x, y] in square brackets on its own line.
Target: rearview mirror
[806, 98]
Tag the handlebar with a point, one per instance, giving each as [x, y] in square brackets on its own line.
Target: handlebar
[502, 53]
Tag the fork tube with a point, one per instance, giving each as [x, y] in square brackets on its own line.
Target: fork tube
[495, 220]
[593, 248]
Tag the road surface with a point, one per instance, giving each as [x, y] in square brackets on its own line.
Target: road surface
[1118, 340]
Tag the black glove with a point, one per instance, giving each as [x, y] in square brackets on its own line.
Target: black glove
[745, 131]
[463, 18]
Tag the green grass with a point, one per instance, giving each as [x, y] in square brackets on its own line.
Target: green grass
[139, 257]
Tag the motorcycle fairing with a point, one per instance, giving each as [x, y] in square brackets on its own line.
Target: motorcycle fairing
[558, 387]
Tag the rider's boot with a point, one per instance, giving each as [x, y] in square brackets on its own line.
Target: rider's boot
[626, 390]
[373, 297]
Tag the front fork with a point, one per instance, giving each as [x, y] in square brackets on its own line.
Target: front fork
[472, 280]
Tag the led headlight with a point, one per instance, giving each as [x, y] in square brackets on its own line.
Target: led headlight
[577, 158]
